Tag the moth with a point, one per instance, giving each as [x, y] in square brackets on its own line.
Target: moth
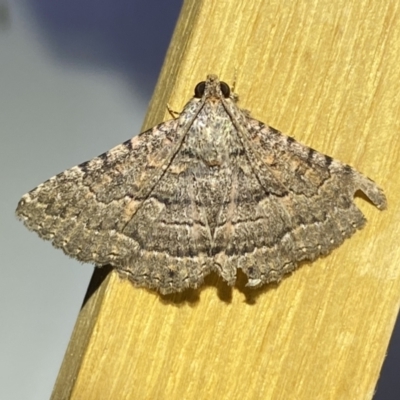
[210, 190]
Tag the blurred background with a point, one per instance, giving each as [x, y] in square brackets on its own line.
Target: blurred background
[75, 80]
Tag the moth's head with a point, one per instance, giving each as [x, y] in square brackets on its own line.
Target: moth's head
[212, 87]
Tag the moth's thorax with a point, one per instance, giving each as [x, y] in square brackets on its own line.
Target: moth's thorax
[212, 135]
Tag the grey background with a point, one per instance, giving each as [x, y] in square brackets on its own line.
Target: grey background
[75, 80]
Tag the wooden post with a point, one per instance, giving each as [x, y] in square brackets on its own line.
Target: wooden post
[328, 74]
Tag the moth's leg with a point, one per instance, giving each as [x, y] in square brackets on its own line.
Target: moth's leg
[234, 84]
[247, 113]
[235, 97]
[174, 114]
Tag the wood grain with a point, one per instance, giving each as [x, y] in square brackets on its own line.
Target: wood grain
[328, 74]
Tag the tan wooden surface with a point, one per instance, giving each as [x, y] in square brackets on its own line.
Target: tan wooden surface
[328, 74]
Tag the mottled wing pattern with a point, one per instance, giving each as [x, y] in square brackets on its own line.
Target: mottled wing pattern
[308, 215]
[171, 231]
[181, 226]
[85, 209]
[138, 207]
[211, 190]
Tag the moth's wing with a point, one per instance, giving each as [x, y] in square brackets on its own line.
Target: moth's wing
[133, 207]
[84, 210]
[306, 170]
[171, 230]
[306, 208]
